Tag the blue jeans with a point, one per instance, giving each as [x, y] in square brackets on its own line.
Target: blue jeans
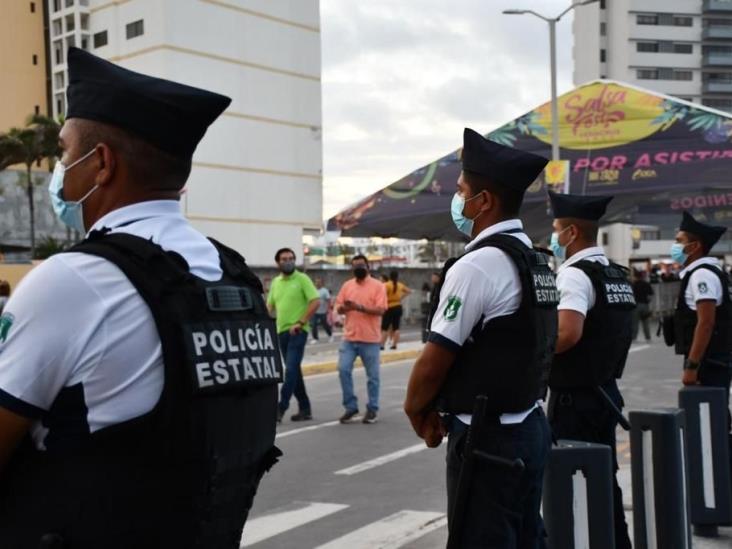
[369, 353]
[320, 319]
[293, 349]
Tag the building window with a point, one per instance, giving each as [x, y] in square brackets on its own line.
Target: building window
[603, 56]
[683, 75]
[69, 3]
[100, 39]
[134, 29]
[646, 19]
[603, 29]
[37, 109]
[683, 48]
[647, 74]
[33, 7]
[718, 103]
[35, 59]
[646, 47]
[683, 21]
[605, 239]
[85, 42]
[602, 4]
[56, 5]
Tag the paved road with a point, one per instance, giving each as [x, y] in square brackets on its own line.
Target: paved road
[367, 486]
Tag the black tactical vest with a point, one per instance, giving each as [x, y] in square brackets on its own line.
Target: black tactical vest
[183, 475]
[507, 359]
[685, 317]
[601, 352]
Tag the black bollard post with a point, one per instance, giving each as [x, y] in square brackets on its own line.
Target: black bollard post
[710, 486]
[658, 467]
[578, 501]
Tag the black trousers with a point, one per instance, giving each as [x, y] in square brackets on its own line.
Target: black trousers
[503, 506]
[580, 414]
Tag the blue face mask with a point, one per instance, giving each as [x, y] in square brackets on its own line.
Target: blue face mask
[559, 251]
[463, 224]
[677, 253]
[69, 212]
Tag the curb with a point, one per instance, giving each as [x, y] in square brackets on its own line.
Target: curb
[332, 365]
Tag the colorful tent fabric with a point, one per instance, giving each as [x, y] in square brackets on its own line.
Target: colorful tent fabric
[657, 154]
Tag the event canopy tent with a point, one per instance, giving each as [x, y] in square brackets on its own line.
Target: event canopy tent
[657, 154]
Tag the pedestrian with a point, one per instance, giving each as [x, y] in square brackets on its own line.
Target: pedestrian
[122, 404]
[293, 299]
[703, 316]
[643, 291]
[4, 294]
[395, 292]
[596, 300]
[362, 300]
[320, 318]
[492, 334]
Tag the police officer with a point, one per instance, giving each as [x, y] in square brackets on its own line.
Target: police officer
[492, 334]
[138, 372]
[703, 316]
[596, 300]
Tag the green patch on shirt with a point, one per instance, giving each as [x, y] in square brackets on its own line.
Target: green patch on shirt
[6, 321]
[452, 308]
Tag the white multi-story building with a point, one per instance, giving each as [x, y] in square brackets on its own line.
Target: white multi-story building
[677, 47]
[256, 183]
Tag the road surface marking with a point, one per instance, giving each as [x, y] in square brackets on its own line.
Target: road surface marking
[305, 429]
[638, 348]
[284, 519]
[376, 462]
[391, 532]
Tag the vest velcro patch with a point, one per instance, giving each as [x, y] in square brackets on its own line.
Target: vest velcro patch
[232, 353]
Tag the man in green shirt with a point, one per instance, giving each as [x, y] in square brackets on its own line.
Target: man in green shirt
[292, 299]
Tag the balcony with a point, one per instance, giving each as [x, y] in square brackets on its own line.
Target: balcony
[718, 59]
[720, 86]
[717, 5]
[717, 31]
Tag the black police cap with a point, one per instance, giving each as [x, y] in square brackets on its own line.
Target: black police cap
[578, 206]
[502, 165]
[708, 234]
[171, 116]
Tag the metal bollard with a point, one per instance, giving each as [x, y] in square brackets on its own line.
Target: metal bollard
[658, 468]
[578, 501]
[710, 486]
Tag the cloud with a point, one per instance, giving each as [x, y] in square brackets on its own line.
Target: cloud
[402, 79]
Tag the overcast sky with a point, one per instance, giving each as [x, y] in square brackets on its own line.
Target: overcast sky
[402, 78]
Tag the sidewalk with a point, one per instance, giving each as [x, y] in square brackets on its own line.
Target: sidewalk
[321, 358]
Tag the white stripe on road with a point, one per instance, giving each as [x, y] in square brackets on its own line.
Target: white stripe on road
[376, 462]
[267, 526]
[305, 429]
[391, 532]
[638, 348]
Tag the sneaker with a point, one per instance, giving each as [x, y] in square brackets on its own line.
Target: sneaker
[313, 341]
[349, 416]
[370, 417]
[393, 347]
[301, 416]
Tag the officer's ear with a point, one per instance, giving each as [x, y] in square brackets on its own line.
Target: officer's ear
[489, 201]
[107, 160]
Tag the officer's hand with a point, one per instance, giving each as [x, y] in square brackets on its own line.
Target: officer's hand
[432, 430]
[690, 377]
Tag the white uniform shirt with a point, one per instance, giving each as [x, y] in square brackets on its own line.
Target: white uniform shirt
[704, 284]
[484, 283]
[79, 327]
[576, 292]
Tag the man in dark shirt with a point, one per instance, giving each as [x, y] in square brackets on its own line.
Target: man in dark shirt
[643, 292]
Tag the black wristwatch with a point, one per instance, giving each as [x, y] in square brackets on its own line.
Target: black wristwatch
[691, 365]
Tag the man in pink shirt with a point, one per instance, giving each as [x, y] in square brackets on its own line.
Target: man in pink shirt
[363, 300]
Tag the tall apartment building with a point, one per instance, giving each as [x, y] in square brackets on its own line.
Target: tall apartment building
[23, 59]
[677, 47]
[256, 183]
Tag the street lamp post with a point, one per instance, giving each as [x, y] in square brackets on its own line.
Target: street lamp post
[553, 54]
